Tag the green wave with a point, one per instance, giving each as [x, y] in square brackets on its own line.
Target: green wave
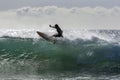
[36, 56]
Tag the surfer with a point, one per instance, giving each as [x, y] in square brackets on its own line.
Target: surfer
[60, 32]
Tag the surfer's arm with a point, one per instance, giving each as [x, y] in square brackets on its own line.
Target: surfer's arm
[52, 26]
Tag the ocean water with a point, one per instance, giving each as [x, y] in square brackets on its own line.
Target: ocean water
[80, 55]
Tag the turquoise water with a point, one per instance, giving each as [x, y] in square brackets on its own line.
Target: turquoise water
[71, 59]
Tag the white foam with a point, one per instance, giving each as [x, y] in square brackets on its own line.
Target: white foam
[49, 77]
[68, 34]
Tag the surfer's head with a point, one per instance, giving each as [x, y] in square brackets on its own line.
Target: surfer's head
[56, 25]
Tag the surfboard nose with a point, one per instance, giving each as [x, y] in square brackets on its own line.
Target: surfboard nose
[37, 31]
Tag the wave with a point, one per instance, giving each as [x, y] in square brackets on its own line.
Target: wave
[37, 56]
[92, 51]
[39, 17]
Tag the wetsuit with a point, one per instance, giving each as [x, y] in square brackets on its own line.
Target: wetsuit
[60, 32]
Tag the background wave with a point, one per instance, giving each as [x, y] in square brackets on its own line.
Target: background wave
[68, 18]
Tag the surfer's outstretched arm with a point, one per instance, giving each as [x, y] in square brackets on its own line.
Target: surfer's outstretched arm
[52, 26]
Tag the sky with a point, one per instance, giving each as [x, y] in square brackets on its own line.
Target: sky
[13, 4]
[82, 14]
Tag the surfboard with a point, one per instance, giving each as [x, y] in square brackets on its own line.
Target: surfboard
[46, 37]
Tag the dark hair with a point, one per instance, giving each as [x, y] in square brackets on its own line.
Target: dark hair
[56, 24]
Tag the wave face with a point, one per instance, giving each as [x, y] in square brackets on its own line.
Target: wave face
[81, 51]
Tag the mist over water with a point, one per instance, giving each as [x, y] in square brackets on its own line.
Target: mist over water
[67, 18]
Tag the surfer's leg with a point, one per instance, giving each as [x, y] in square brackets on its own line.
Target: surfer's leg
[56, 35]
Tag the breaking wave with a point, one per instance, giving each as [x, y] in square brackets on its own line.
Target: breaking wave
[24, 52]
